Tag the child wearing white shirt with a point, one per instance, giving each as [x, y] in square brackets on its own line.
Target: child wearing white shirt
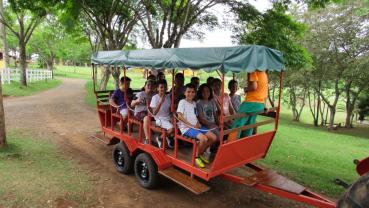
[190, 126]
[160, 105]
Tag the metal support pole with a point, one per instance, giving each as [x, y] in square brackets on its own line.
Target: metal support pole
[222, 112]
[94, 77]
[126, 100]
[174, 119]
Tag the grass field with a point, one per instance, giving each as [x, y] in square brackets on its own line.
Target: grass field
[310, 155]
[15, 89]
[73, 72]
[315, 157]
[33, 173]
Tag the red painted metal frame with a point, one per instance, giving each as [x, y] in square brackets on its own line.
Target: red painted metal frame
[306, 196]
[237, 153]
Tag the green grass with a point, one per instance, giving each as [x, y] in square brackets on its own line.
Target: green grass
[90, 98]
[15, 89]
[315, 157]
[73, 72]
[33, 173]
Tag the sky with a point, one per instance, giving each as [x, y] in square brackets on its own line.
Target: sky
[221, 36]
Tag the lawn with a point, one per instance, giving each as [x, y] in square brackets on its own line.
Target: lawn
[33, 173]
[15, 89]
[312, 156]
[73, 72]
[315, 157]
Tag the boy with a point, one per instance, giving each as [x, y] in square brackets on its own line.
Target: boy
[190, 126]
[196, 82]
[160, 76]
[160, 105]
[117, 99]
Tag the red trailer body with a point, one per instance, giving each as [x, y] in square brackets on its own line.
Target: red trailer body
[233, 160]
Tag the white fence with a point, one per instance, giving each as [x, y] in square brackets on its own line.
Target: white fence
[8, 75]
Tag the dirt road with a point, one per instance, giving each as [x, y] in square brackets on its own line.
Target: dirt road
[61, 116]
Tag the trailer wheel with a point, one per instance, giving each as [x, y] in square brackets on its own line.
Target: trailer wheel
[357, 195]
[122, 159]
[146, 171]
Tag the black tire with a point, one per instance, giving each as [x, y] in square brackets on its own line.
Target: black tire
[146, 171]
[122, 159]
[357, 195]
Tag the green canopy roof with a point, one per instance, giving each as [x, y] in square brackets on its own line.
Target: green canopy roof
[235, 59]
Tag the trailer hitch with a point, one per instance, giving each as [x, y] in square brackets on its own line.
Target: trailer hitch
[342, 183]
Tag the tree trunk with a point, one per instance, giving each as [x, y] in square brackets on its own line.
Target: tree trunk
[271, 95]
[348, 123]
[115, 72]
[2, 118]
[3, 34]
[313, 106]
[105, 78]
[23, 61]
[6, 63]
[318, 106]
[322, 110]
[50, 66]
[331, 117]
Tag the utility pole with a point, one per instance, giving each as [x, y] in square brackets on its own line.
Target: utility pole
[6, 62]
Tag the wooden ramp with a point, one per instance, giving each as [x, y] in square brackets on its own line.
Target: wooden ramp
[271, 178]
[184, 180]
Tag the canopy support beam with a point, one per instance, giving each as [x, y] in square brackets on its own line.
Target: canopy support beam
[94, 77]
[221, 126]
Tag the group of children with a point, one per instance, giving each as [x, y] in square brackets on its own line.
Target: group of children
[197, 107]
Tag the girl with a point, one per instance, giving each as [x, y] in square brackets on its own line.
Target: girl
[208, 114]
[227, 104]
[207, 110]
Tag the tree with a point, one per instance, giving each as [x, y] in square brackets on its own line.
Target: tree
[356, 82]
[166, 22]
[2, 116]
[46, 41]
[280, 31]
[52, 42]
[109, 24]
[337, 39]
[21, 17]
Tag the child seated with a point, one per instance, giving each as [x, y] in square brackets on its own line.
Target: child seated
[227, 104]
[207, 110]
[118, 101]
[190, 126]
[143, 98]
[140, 105]
[236, 99]
[160, 105]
